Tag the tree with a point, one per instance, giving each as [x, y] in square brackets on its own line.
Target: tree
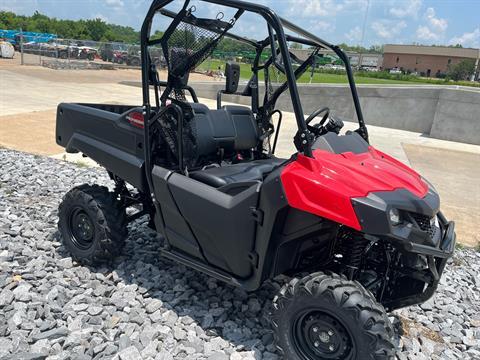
[461, 71]
[295, 45]
[228, 45]
[97, 29]
[156, 35]
[184, 39]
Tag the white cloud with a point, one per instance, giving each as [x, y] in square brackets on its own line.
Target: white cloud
[320, 26]
[436, 23]
[434, 29]
[388, 29]
[115, 3]
[408, 8]
[314, 8]
[101, 16]
[468, 39]
[424, 33]
[310, 8]
[354, 35]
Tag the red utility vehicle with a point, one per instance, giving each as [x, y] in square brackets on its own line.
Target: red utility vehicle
[358, 232]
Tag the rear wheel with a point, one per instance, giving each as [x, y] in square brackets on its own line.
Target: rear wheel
[325, 316]
[135, 62]
[92, 223]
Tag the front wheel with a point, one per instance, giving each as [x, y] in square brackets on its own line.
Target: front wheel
[93, 224]
[325, 316]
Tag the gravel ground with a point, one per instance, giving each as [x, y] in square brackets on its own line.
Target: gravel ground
[147, 307]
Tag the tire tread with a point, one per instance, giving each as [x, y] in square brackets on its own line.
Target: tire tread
[349, 296]
[109, 216]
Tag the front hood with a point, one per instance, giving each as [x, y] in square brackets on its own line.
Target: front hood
[326, 184]
[367, 172]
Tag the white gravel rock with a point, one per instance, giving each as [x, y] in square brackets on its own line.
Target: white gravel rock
[147, 307]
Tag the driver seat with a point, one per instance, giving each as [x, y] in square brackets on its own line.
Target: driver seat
[237, 173]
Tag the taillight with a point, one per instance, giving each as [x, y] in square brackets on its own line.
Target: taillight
[136, 119]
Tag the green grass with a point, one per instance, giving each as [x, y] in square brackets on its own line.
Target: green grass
[330, 78]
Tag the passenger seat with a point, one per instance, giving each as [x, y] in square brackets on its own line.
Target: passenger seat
[232, 128]
[237, 173]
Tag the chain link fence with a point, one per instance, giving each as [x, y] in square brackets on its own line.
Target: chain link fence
[72, 53]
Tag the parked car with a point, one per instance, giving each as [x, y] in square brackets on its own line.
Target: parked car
[80, 51]
[107, 51]
[369, 68]
[396, 71]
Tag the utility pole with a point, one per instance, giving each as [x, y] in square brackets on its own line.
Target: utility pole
[476, 72]
[21, 46]
[360, 56]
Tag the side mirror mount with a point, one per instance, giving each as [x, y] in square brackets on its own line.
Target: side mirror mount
[232, 75]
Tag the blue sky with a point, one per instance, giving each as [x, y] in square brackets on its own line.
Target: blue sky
[440, 22]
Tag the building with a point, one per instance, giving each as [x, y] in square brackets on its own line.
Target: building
[427, 61]
[368, 60]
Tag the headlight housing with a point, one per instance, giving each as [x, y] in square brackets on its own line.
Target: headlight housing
[394, 216]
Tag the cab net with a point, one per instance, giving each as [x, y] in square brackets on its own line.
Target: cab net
[186, 43]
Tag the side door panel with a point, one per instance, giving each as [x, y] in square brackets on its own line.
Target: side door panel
[223, 224]
[176, 229]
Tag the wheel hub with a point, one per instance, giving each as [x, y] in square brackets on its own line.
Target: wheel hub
[82, 229]
[321, 336]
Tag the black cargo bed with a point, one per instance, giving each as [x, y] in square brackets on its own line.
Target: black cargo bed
[103, 133]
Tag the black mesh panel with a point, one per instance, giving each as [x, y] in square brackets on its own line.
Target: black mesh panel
[187, 43]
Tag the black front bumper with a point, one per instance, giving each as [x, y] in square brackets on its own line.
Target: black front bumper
[445, 247]
[437, 257]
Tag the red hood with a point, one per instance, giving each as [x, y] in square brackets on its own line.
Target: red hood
[324, 185]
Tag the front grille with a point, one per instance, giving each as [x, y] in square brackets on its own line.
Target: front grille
[423, 222]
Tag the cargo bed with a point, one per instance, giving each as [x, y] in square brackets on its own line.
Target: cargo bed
[106, 134]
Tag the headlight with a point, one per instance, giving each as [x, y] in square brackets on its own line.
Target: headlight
[394, 216]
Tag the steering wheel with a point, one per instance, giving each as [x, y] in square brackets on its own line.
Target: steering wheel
[316, 129]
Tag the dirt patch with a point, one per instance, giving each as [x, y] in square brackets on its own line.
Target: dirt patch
[455, 174]
[30, 132]
[412, 329]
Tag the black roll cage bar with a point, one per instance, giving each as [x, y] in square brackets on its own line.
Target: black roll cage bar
[276, 36]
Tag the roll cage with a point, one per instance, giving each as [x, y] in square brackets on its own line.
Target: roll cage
[276, 42]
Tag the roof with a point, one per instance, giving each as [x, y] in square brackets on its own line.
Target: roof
[432, 50]
[304, 53]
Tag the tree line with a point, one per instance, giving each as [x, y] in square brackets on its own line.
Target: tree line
[91, 29]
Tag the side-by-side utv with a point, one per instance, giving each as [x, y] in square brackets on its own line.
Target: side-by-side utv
[358, 232]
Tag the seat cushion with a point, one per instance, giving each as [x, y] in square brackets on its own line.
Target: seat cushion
[236, 173]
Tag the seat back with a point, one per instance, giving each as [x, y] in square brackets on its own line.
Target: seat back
[232, 128]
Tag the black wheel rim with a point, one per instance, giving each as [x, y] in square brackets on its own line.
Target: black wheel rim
[318, 336]
[81, 228]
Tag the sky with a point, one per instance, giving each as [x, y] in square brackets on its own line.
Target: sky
[440, 22]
